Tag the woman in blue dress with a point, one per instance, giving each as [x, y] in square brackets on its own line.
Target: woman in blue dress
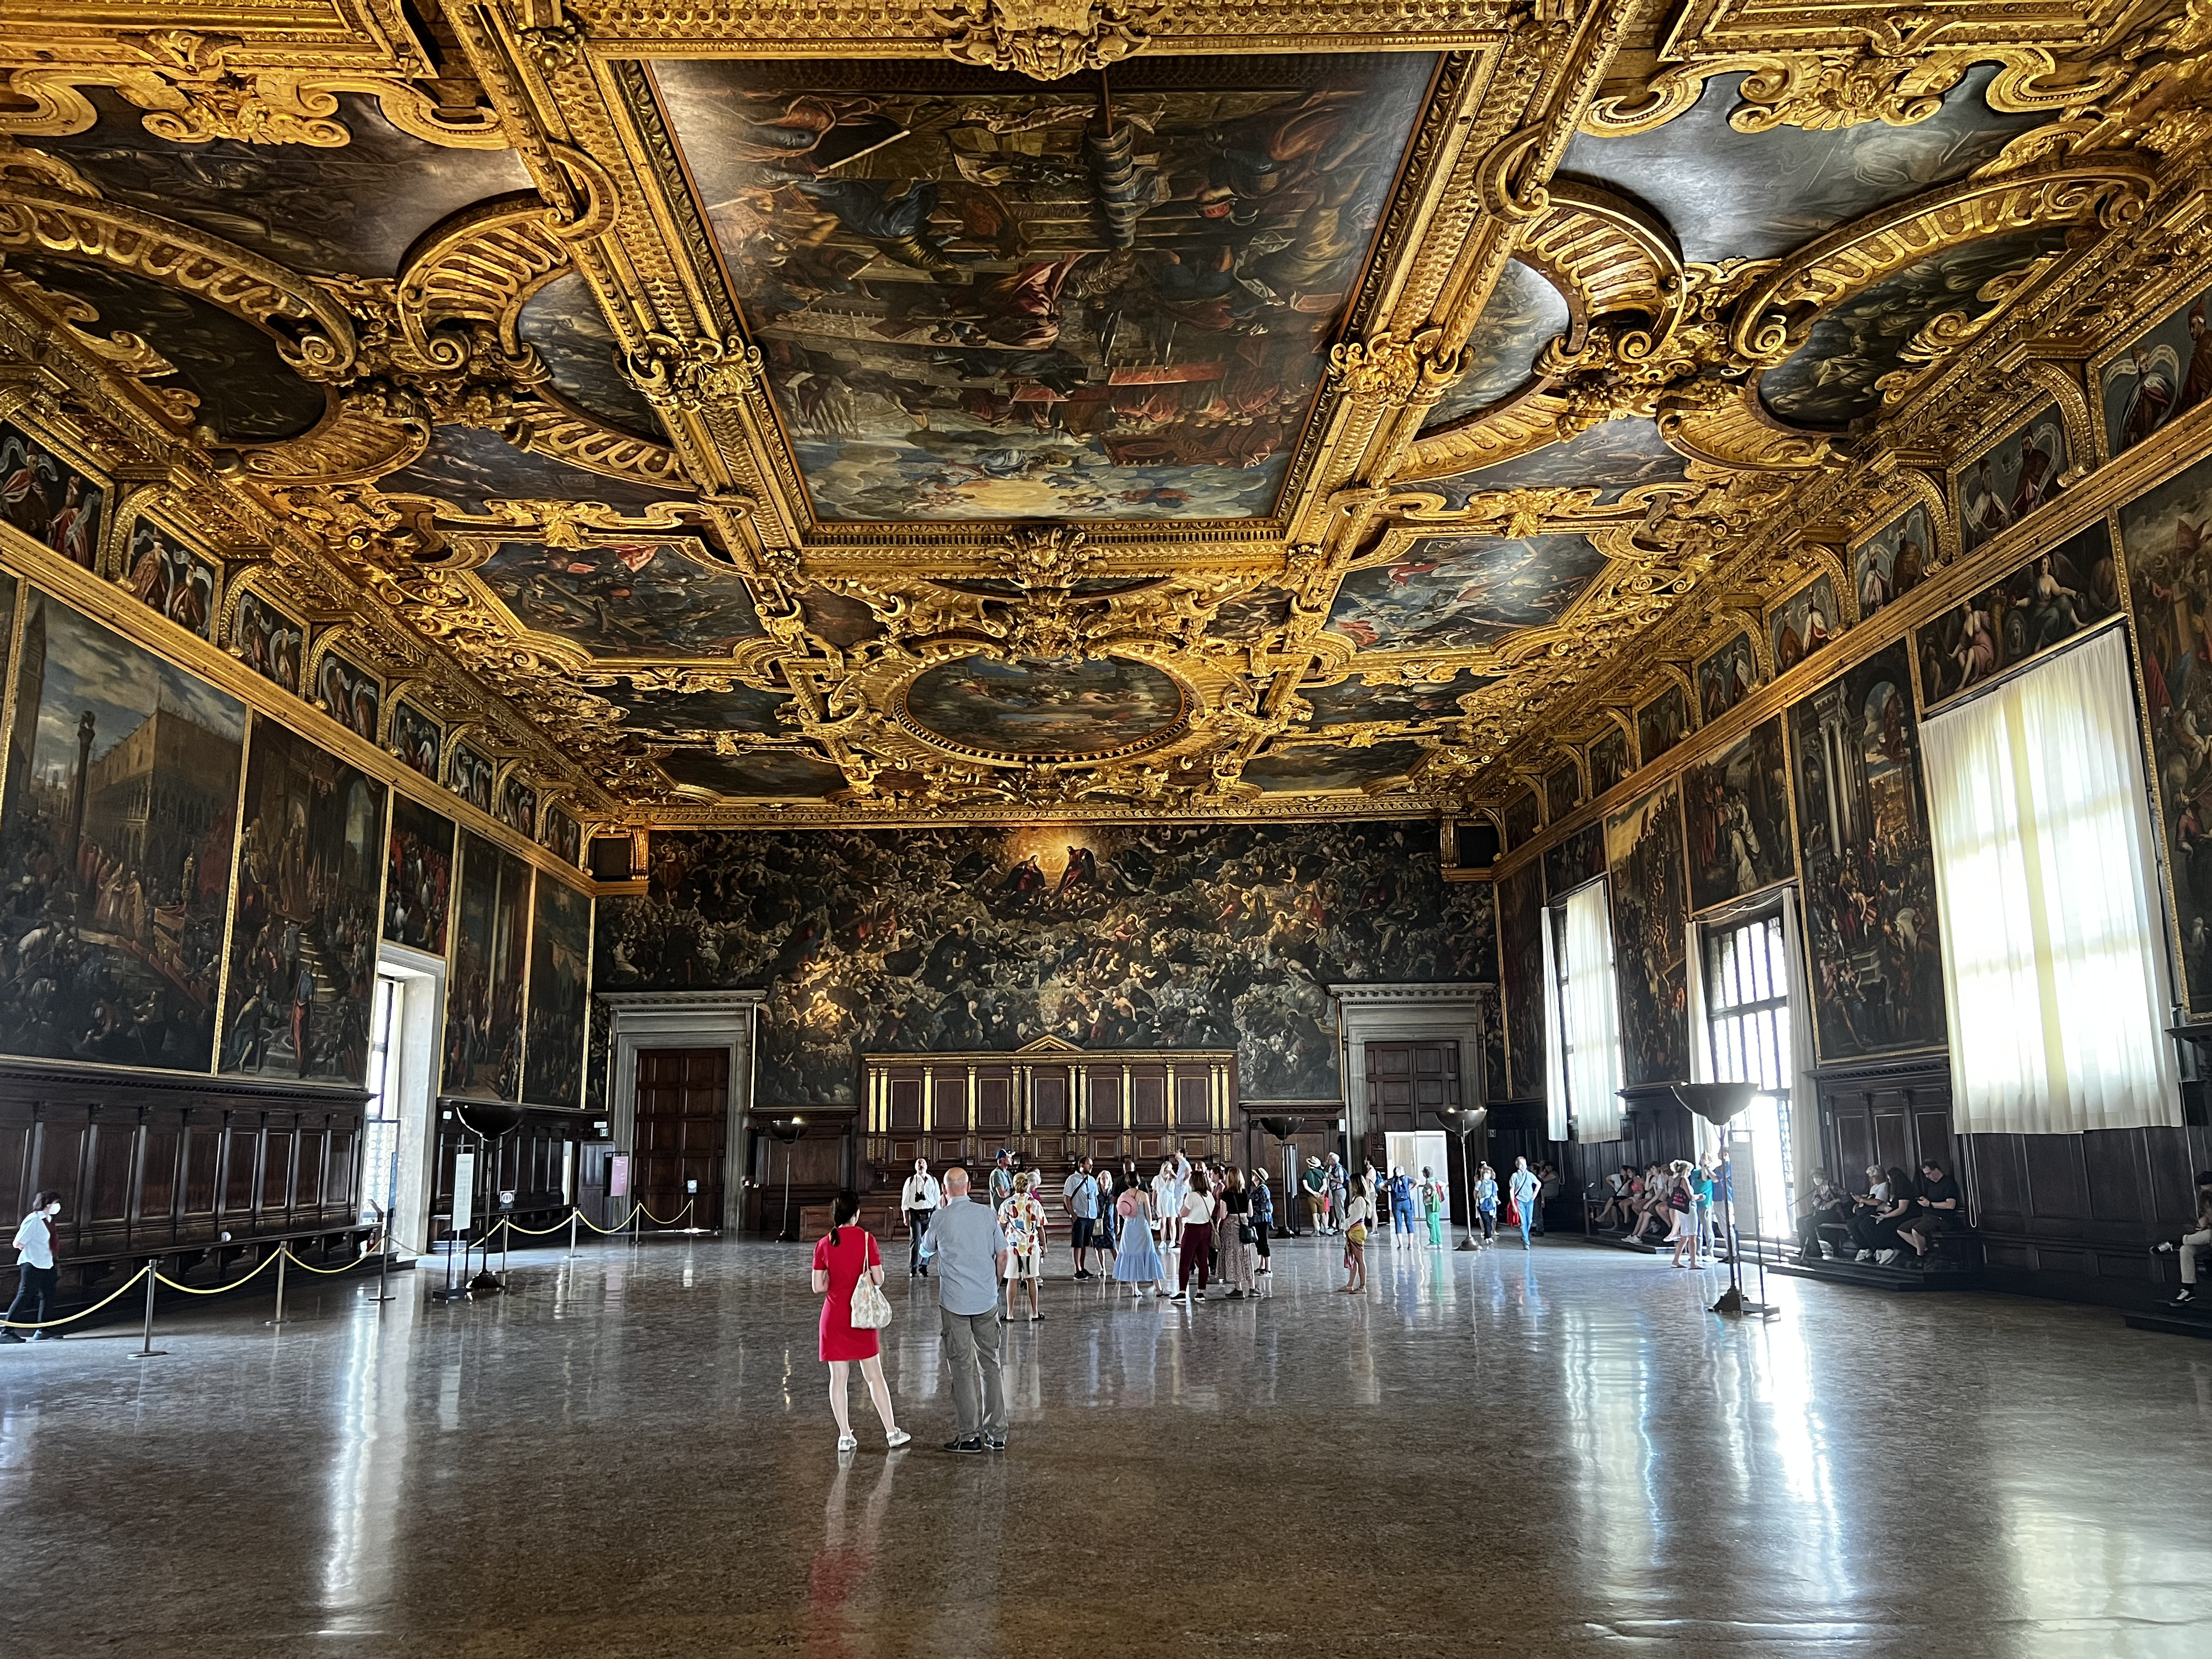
[1137, 1263]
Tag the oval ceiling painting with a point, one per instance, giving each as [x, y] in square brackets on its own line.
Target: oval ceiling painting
[1038, 708]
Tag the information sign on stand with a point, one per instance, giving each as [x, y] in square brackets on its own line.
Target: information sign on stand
[618, 1175]
[465, 1189]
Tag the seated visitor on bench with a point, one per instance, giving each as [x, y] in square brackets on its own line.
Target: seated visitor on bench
[1874, 1231]
[1826, 1206]
[1937, 1212]
[2195, 1242]
[1621, 1187]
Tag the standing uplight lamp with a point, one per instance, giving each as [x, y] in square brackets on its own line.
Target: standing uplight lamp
[489, 1120]
[1281, 1129]
[1720, 1104]
[1465, 1122]
[790, 1131]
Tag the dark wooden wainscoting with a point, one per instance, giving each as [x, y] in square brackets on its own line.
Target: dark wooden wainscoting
[2073, 1215]
[1654, 1128]
[823, 1162]
[153, 1164]
[1890, 1113]
[529, 1161]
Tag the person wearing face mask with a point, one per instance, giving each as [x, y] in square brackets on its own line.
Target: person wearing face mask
[38, 1282]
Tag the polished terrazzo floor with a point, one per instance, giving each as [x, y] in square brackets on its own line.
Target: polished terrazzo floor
[1560, 1453]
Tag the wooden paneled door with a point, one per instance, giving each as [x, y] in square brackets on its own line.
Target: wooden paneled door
[1407, 1081]
[683, 1125]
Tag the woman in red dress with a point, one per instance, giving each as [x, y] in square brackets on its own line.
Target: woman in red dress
[840, 1259]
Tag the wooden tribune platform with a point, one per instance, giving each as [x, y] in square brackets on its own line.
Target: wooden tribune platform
[1875, 1277]
[2174, 1321]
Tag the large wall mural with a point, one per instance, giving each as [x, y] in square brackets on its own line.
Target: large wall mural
[1737, 815]
[303, 936]
[1650, 918]
[418, 882]
[2170, 570]
[1521, 977]
[1168, 935]
[980, 298]
[1870, 877]
[114, 918]
[484, 1001]
[560, 987]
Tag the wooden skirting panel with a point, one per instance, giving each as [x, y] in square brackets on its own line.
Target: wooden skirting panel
[148, 1164]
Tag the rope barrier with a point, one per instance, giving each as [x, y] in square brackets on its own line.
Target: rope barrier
[534, 1232]
[312, 1268]
[267, 1263]
[44, 1324]
[671, 1221]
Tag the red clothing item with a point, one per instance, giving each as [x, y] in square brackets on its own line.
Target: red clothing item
[845, 1255]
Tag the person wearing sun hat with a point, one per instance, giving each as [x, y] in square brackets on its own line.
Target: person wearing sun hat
[1315, 1186]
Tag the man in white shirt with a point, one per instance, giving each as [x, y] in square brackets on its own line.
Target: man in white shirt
[920, 1198]
[1079, 1194]
[34, 1259]
[1525, 1187]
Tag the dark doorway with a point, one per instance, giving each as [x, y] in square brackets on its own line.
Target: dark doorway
[682, 1121]
[1408, 1081]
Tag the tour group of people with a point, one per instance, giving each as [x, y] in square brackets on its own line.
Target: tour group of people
[1682, 1203]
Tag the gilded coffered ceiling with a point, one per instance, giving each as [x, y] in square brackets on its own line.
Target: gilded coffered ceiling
[817, 413]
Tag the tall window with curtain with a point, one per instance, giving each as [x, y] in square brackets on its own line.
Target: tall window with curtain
[2045, 883]
[1748, 1029]
[1588, 1029]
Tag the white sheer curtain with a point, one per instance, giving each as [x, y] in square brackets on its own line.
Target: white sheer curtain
[2052, 965]
[1593, 1012]
[1557, 1126]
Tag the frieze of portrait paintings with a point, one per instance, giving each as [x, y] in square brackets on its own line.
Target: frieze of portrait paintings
[1863, 854]
[417, 738]
[1662, 723]
[172, 577]
[1522, 818]
[1650, 920]
[560, 986]
[1563, 790]
[1521, 973]
[1885, 566]
[564, 835]
[1727, 677]
[2007, 481]
[2046, 600]
[2169, 559]
[352, 697]
[418, 882]
[114, 918]
[1608, 761]
[2161, 374]
[1159, 935]
[1735, 810]
[484, 1004]
[516, 806]
[1803, 623]
[469, 775]
[1574, 859]
[268, 642]
[49, 497]
[304, 932]
[981, 299]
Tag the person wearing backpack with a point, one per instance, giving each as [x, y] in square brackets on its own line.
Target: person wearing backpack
[845, 1256]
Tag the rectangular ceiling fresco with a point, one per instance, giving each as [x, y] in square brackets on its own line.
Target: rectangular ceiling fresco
[980, 297]
[1458, 593]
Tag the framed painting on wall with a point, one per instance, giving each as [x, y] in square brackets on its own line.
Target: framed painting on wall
[1997, 488]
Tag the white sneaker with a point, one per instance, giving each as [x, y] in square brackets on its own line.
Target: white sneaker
[897, 1438]
[848, 1442]
[1863, 1255]
[1886, 1258]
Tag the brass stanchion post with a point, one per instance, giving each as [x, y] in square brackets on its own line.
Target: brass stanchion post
[283, 1252]
[147, 1350]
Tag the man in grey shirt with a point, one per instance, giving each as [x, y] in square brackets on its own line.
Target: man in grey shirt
[971, 1257]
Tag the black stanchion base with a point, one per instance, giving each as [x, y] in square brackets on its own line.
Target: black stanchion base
[451, 1293]
[1466, 1244]
[487, 1284]
[142, 1353]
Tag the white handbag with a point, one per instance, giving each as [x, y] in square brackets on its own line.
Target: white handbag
[872, 1308]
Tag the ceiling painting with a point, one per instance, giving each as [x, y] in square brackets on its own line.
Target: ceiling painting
[470, 469]
[562, 320]
[644, 599]
[232, 376]
[1355, 701]
[1525, 313]
[982, 298]
[352, 208]
[1045, 709]
[740, 708]
[1611, 458]
[1459, 593]
[760, 774]
[1731, 194]
[766, 418]
[1835, 378]
[1310, 767]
